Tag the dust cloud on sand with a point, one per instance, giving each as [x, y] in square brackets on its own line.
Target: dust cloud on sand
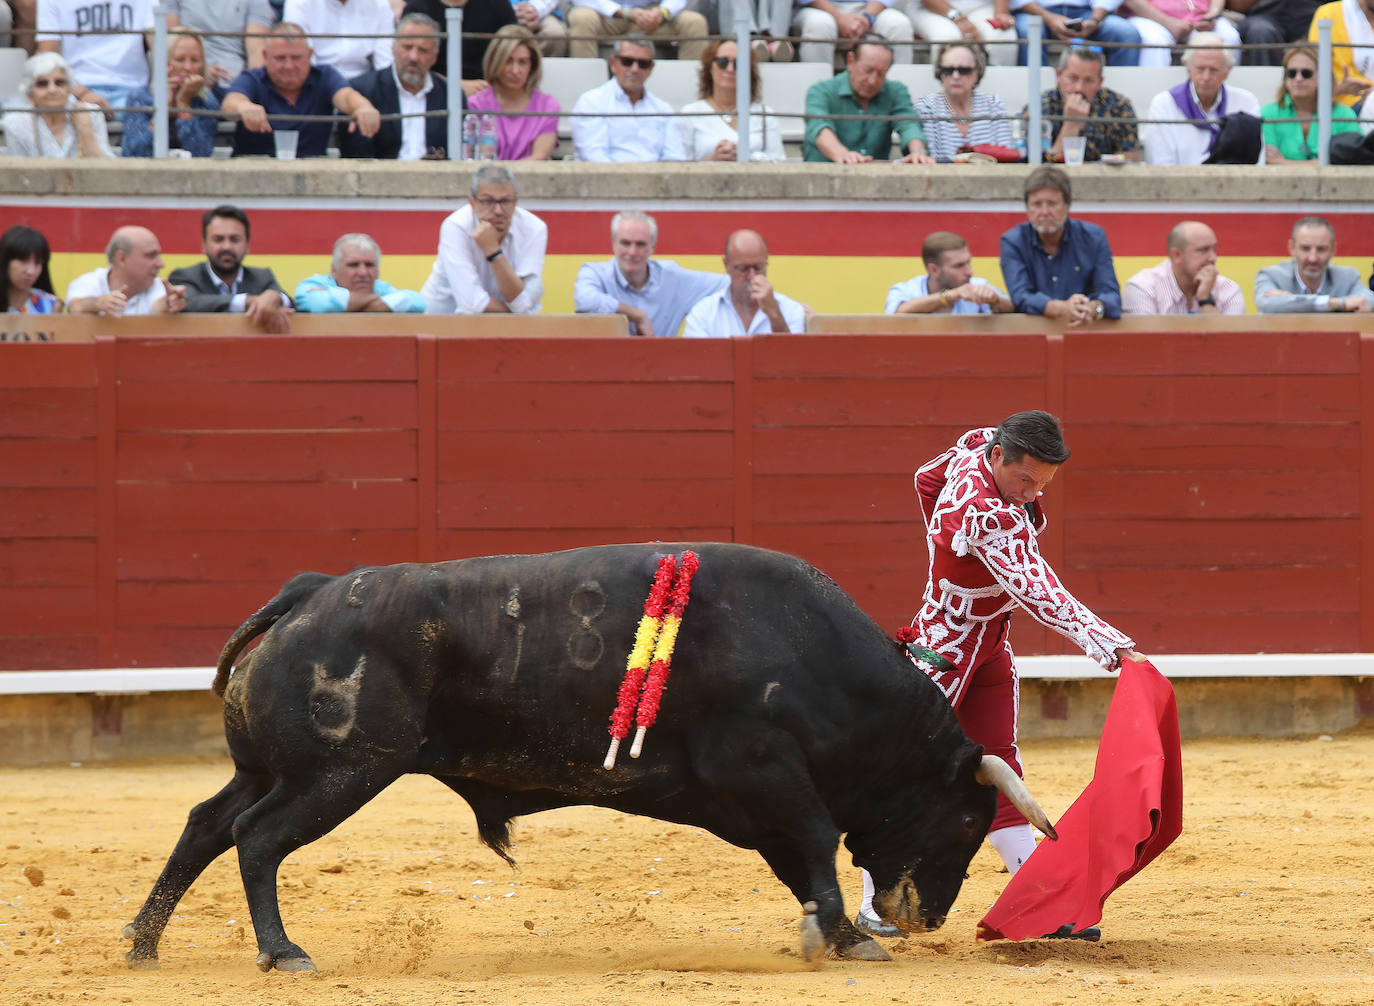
[1267, 898]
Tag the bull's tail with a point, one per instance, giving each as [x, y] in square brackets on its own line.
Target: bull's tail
[297, 589]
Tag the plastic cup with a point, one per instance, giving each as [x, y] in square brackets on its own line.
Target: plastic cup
[1073, 149]
[284, 140]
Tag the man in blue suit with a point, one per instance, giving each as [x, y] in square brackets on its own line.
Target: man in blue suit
[406, 86]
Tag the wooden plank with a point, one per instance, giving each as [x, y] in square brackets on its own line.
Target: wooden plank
[1219, 592]
[267, 359]
[1250, 632]
[106, 506]
[47, 462]
[1258, 446]
[271, 556]
[1219, 494]
[267, 406]
[463, 543]
[849, 450]
[782, 499]
[174, 646]
[48, 653]
[1104, 541]
[196, 604]
[873, 546]
[266, 506]
[687, 405]
[587, 454]
[47, 562]
[278, 456]
[1187, 399]
[36, 365]
[742, 449]
[48, 513]
[47, 412]
[881, 401]
[426, 452]
[1366, 493]
[644, 506]
[618, 360]
[1213, 353]
[927, 357]
[47, 610]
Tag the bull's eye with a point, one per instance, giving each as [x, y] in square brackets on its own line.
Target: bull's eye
[970, 822]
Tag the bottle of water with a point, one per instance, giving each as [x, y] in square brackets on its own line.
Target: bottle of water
[487, 138]
[470, 134]
[1018, 135]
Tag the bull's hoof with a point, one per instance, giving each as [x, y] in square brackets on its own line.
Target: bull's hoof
[289, 965]
[812, 939]
[142, 962]
[128, 932]
[864, 950]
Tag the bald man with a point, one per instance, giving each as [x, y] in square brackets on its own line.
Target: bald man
[130, 285]
[749, 305]
[1187, 282]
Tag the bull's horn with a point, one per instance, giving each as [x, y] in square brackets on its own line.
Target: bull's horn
[993, 771]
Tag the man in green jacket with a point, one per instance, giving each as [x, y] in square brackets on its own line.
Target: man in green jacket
[862, 90]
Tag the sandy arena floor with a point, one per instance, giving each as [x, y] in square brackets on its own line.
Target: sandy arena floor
[1267, 898]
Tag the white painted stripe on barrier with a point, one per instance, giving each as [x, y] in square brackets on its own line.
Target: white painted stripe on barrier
[1066, 668]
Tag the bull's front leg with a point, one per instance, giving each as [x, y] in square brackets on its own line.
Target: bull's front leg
[812, 880]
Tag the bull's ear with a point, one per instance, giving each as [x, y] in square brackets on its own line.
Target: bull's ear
[965, 763]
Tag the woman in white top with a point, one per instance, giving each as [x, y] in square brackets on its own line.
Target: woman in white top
[714, 137]
[958, 116]
[59, 126]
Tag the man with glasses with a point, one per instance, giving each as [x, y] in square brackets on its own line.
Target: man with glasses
[749, 305]
[661, 20]
[620, 121]
[491, 253]
[1080, 106]
[863, 90]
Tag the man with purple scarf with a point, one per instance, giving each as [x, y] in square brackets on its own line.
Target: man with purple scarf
[1203, 97]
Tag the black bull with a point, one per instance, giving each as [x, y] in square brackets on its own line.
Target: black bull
[789, 720]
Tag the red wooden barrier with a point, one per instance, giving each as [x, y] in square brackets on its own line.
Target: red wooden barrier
[155, 491]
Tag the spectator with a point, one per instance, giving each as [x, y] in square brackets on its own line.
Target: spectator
[24, 255]
[353, 283]
[1310, 283]
[1295, 141]
[1077, 23]
[370, 24]
[1055, 265]
[663, 22]
[956, 116]
[949, 286]
[1164, 23]
[491, 253]
[186, 76]
[222, 283]
[130, 286]
[645, 133]
[1080, 106]
[715, 136]
[59, 125]
[227, 55]
[769, 23]
[821, 22]
[480, 18]
[407, 86]
[512, 68]
[288, 85]
[1352, 47]
[940, 21]
[863, 89]
[540, 18]
[109, 66]
[24, 18]
[1204, 95]
[1187, 282]
[1272, 23]
[748, 305]
[654, 294]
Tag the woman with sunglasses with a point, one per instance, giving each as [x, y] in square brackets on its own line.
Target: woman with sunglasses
[24, 256]
[956, 116]
[713, 135]
[59, 125]
[512, 68]
[1295, 140]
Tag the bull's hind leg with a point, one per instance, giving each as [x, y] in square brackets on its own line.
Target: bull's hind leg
[293, 814]
[208, 833]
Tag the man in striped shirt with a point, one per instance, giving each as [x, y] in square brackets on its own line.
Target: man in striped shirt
[1187, 282]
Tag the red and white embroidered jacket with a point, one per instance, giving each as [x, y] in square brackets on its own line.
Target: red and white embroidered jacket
[984, 560]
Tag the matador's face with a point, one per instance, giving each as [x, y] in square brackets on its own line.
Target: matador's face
[1020, 481]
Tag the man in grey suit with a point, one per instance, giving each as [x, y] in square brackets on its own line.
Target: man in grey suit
[1310, 283]
[223, 283]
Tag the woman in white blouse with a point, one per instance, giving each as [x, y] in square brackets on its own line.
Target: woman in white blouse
[714, 137]
[956, 115]
[59, 126]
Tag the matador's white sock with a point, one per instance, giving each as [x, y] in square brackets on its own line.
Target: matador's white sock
[1014, 845]
[866, 905]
